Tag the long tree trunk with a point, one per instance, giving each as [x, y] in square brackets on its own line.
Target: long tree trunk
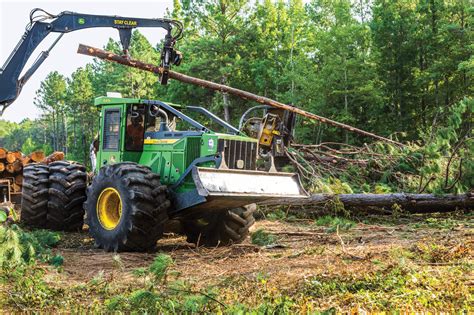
[346, 100]
[408, 202]
[85, 149]
[225, 100]
[55, 132]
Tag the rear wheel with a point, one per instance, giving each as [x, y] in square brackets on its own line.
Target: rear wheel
[34, 198]
[67, 193]
[220, 229]
[126, 207]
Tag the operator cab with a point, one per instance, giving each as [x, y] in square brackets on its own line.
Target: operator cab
[169, 138]
[148, 122]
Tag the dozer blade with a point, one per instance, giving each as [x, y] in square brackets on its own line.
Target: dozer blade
[226, 188]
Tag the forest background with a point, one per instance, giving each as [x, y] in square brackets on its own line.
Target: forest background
[400, 69]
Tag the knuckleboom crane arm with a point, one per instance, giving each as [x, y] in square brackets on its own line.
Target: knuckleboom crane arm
[43, 23]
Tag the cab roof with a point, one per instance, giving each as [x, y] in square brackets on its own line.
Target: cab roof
[105, 100]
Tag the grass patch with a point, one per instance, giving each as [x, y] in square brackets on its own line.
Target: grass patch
[440, 253]
[425, 275]
[396, 287]
[160, 296]
[262, 238]
[19, 273]
[437, 223]
[333, 223]
[280, 215]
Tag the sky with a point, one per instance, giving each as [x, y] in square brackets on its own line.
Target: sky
[14, 15]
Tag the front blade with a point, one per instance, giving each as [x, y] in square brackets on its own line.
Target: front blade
[226, 188]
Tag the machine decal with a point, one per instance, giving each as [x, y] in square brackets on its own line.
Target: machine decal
[126, 22]
[210, 143]
[160, 141]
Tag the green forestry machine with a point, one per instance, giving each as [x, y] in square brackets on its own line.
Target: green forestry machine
[154, 164]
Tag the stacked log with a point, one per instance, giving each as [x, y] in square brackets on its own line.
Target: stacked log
[13, 162]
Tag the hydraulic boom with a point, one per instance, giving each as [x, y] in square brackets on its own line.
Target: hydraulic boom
[43, 23]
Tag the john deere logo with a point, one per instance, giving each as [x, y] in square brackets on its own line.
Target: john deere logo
[210, 144]
[81, 21]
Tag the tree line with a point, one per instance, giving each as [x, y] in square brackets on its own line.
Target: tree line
[395, 68]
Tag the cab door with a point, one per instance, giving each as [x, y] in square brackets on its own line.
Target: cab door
[111, 137]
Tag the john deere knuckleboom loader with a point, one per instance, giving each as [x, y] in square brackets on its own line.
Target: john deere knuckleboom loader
[156, 163]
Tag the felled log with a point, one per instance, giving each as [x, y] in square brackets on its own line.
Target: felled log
[3, 153]
[10, 168]
[110, 56]
[408, 202]
[11, 157]
[37, 156]
[55, 156]
[2, 167]
[17, 166]
[25, 160]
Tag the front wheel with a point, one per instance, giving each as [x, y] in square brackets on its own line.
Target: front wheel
[126, 207]
[220, 229]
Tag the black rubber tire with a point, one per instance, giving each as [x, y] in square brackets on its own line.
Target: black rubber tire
[144, 207]
[220, 229]
[34, 198]
[67, 193]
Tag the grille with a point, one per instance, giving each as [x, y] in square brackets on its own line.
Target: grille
[193, 149]
[235, 150]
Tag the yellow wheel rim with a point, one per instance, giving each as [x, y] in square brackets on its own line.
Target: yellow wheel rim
[109, 208]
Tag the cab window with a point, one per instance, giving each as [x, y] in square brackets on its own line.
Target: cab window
[134, 134]
[111, 129]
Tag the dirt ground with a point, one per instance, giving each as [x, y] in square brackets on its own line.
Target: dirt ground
[302, 250]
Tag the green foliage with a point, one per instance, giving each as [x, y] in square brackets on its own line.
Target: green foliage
[28, 288]
[279, 215]
[3, 216]
[382, 188]
[276, 215]
[11, 249]
[19, 247]
[19, 252]
[160, 266]
[262, 238]
[440, 223]
[40, 242]
[441, 253]
[158, 296]
[335, 223]
[443, 164]
[57, 260]
[394, 286]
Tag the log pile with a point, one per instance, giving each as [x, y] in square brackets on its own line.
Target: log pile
[13, 162]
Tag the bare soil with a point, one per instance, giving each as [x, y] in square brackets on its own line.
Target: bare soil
[302, 250]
